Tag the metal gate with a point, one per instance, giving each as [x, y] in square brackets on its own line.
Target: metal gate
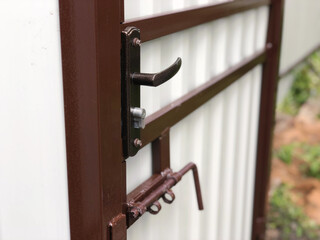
[217, 112]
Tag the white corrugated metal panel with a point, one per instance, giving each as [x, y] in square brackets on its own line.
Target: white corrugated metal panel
[143, 8]
[33, 171]
[284, 85]
[220, 137]
[301, 31]
[301, 35]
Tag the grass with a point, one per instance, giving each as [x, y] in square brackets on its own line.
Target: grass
[285, 153]
[283, 214]
[305, 85]
[311, 157]
[309, 154]
[288, 218]
[298, 94]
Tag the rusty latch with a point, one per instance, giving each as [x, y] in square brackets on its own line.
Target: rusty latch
[145, 197]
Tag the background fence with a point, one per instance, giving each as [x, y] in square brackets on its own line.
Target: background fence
[301, 36]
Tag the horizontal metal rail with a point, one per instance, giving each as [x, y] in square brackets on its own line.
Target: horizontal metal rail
[177, 110]
[164, 24]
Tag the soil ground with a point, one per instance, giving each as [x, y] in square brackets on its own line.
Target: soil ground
[303, 128]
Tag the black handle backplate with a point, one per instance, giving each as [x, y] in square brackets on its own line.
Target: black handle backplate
[131, 80]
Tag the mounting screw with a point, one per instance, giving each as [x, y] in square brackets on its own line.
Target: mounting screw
[137, 143]
[269, 45]
[136, 42]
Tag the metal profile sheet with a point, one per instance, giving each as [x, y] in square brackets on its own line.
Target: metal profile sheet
[299, 31]
[220, 136]
[143, 8]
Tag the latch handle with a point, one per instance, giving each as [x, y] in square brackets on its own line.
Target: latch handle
[139, 207]
[156, 79]
[193, 167]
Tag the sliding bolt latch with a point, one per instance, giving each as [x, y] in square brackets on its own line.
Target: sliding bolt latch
[146, 197]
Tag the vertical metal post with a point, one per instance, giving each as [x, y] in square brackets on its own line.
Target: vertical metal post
[161, 152]
[266, 120]
[90, 40]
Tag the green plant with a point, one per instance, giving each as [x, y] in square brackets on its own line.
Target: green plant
[311, 156]
[288, 218]
[314, 60]
[288, 105]
[285, 153]
[306, 84]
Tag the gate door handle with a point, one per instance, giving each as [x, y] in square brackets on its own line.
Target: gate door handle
[156, 79]
[132, 116]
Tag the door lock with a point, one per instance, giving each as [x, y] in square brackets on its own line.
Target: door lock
[132, 116]
[138, 115]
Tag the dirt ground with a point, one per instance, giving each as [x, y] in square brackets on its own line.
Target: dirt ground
[305, 128]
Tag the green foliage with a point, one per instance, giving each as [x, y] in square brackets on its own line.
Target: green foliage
[306, 84]
[288, 218]
[311, 156]
[315, 61]
[298, 94]
[301, 86]
[288, 105]
[285, 153]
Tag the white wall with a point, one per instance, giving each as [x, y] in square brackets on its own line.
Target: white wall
[33, 177]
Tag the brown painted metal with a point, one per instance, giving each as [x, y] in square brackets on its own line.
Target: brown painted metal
[121, 9]
[177, 110]
[156, 79]
[266, 119]
[142, 191]
[80, 83]
[131, 80]
[96, 182]
[161, 152]
[130, 92]
[143, 198]
[90, 39]
[117, 228]
[297, 63]
[161, 25]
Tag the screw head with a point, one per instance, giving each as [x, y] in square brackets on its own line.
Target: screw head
[136, 42]
[137, 143]
[269, 45]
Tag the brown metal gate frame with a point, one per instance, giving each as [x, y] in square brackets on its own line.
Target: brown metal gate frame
[90, 39]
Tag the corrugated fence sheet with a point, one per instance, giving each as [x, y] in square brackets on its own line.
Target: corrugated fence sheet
[143, 8]
[220, 137]
[301, 32]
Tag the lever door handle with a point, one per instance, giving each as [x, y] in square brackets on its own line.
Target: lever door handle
[132, 116]
[156, 79]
